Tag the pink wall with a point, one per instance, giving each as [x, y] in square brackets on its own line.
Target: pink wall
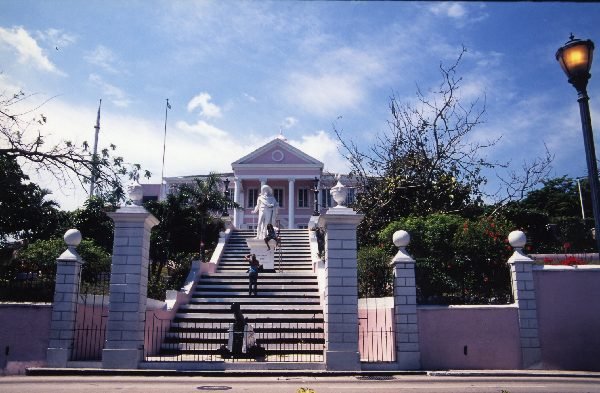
[569, 317]
[25, 330]
[490, 333]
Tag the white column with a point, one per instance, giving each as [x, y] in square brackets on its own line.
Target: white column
[291, 204]
[64, 308]
[408, 352]
[263, 182]
[236, 199]
[128, 287]
[523, 285]
[340, 303]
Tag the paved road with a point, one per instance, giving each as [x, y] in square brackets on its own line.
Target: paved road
[395, 384]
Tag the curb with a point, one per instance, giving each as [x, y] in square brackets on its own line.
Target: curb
[42, 371]
[515, 374]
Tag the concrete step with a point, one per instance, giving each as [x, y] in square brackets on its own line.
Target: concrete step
[252, 318]
[251, 308]
[261, 294]
[282, 302]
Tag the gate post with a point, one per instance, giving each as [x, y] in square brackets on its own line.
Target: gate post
[128, 286]
[408, 352]
[341, 286]
[64, 307]
[523, 287]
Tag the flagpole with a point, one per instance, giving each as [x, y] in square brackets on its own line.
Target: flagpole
[94, 157]
[162, 172]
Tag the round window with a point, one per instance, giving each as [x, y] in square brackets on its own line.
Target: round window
[277, 155]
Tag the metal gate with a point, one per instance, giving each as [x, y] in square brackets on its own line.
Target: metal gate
[376, 330]
[91, 317]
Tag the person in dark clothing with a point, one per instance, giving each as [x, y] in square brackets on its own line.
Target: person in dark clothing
[271, 235]
[238, 329]
[253, 274]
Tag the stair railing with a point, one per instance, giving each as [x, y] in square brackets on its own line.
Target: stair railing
[278, 245]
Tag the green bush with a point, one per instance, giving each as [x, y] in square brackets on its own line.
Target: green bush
[458, 261]
[40, 257]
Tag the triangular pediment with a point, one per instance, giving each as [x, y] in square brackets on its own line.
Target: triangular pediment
[277, 152]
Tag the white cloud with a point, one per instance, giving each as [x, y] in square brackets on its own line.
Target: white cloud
[339, 80]
[458, 11]
[202, 128]
[207, 108]
[325, 149]
[102, 57]
[116, 95]
[27, 48]
[56, 38]
[450, 9]
[327, 94]
[289, 122]
[250, 97]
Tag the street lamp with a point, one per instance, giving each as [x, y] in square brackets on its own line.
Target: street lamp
[575, 58]
[316, 191]
[225, 209]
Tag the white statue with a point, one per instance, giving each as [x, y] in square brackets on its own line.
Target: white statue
[266, 206]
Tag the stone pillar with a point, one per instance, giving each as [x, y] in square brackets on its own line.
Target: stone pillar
[64, 307]
[408, 353]
[128, 287]
[291, 204]
[340, 304]
[236, 198]
[263, 182]
[523, 286]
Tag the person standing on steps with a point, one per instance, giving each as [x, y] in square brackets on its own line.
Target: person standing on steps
[253, 274]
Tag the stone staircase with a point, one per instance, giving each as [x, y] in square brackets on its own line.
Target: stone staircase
[286, 315]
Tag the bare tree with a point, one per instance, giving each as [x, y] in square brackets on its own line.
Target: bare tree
[427, 160]
[21, 138]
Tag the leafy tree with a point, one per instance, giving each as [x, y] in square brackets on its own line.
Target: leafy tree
[21, 138]
[93, 222]
[189, 216]
[426, 162]
[559, 197]
[551, 217]
[25, 211]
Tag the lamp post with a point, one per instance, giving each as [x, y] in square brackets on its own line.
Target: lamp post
[225, 209]
[575, 58]
[316, 191]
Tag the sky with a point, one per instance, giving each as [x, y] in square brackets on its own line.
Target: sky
[237, 73]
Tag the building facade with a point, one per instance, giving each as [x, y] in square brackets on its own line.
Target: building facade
[292, 174]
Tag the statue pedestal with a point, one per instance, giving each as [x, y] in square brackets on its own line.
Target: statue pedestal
[264, 256]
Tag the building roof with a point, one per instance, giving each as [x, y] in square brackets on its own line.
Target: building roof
[277, 152]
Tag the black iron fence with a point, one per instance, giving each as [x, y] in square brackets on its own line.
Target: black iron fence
[91, 319]
[219, 341]
[27, 287]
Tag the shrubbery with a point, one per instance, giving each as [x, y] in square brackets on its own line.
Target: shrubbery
[459, 261]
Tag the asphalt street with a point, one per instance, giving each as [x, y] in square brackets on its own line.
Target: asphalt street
[265, 384]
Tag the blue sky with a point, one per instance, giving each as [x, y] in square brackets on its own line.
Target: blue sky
[237, 72]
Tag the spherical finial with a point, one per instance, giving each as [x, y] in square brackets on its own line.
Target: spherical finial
[401, 238]
[72, 237]
[517, 239]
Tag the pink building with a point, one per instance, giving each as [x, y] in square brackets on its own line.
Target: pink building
[291, 173]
